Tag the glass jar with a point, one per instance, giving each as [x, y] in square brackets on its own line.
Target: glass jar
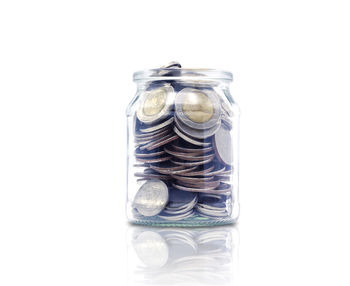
[182, 148]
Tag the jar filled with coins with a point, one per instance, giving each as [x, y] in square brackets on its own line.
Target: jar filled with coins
[182, 148]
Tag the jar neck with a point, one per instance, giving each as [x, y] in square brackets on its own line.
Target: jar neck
[184, 75]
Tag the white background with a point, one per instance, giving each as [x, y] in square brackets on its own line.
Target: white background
[65, 81]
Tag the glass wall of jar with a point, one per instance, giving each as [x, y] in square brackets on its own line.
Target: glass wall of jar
[182, 148]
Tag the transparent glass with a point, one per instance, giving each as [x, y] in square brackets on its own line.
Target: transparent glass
[183, 129]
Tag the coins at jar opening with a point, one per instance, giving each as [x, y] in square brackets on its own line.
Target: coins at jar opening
[156, 104]
[170, 69]
[223, 145]
[198, 109]
[151, 198]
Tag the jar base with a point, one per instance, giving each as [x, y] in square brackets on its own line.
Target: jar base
[191, 222]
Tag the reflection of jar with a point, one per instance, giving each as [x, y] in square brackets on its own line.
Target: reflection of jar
[179, 256]
[182, 148]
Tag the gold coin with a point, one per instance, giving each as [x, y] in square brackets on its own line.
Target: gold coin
[197, 106]
[155, 102]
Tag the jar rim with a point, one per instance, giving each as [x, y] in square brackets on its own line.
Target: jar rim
[176, 73]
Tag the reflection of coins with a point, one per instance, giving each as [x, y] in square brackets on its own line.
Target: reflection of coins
[156, 104]
[223, 145]
[197, 109]
[151, 198]
[151, 248]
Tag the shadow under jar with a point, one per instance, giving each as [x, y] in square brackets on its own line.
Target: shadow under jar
[182, 148]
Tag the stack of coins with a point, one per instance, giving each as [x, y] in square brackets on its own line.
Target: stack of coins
[183, 148]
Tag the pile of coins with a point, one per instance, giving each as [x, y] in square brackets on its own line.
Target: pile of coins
[183, 148]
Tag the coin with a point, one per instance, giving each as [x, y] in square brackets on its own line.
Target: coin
[190, 140]
[227, 121]
[158, 126]
[196, 133]
[178, 199]
[191, 179]
[162, 142]
[144, 176]
[202, 172]
[191, 163]
[173, 169]
[192, 150]
[156, 104]
[176, 217]
[207, 184]
[154, 160]
[171, 69]
[139, 154]
[171, 65]
[148, 139]
[222, 142]
[150, 144]
[151, 198]
[189, 156]
[191, 189]
[217, 171]
[198, 109]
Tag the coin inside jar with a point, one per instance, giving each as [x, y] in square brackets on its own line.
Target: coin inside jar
[223, 145]
[151, 198]
[198, 109]
[156, 104]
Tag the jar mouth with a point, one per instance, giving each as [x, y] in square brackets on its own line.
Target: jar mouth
[183, 74]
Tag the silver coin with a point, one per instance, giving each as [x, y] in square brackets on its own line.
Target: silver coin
[215, 172]
[207, 184]
[198, 109]
[198, 173]
[190, 140]
[177, 217]
[146, 140]
[151, 144]
[191, 163]
[151, 198]
[154, 160]
[162, 142]
[188, 156]
[173, 169]
[169, 68]
[156, 104]
[228, 110]
[222, 142]
[138, 154]
[147, 177]
[143, 135]
[192, 150]
[157, 127]
[196, 133]
[189, 179]
[227, 121]
[171, 65]
[191, 189]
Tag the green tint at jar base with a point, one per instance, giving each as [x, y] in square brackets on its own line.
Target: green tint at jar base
[182, 148]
